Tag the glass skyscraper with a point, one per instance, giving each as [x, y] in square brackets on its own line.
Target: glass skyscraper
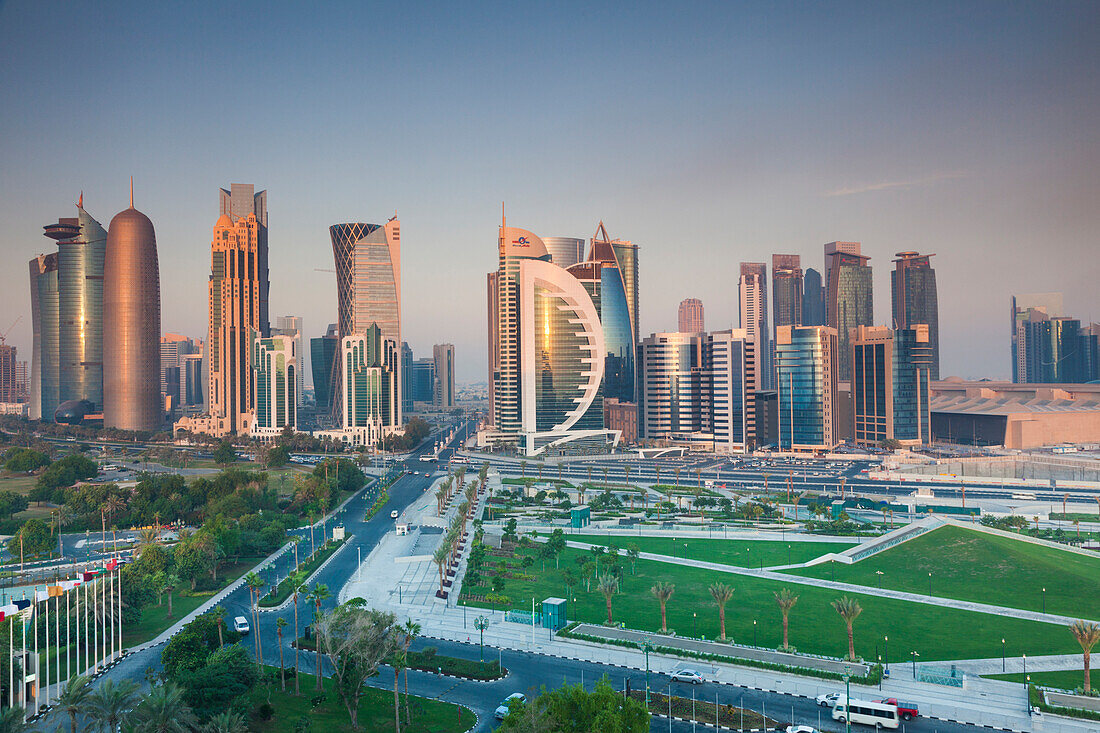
[849, 297]
[806, 382]
[813, 299]
[322, 357]
[914, 299]
[564, 251]
[275, 361]
[45, 358]
[891, 384]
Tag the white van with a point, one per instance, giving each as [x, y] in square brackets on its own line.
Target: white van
[878, 714]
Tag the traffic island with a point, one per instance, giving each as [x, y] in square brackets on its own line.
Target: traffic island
[720, 716]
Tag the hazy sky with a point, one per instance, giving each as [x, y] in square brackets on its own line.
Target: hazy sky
[706, 133]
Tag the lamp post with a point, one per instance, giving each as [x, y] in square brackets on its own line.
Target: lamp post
[879, 573]
[847, 699]
[693, 615]
[463, 614]
[754, 632]
[929, 583]
[1002, 655]
[788, 554]
[481, 623]
[1027, 693]
[915, 655]
[645, 649]
[887, 653]
[1044, 600]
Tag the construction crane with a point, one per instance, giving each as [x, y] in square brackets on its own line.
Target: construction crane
[6, 332]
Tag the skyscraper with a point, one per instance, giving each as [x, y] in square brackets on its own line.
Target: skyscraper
[786, 290]
[131, 324]
[752, 297]
[237, 293]
[9, 383]
[80, 305]
[323, 361]
[276, 366]
[292, 326]
[491, 295]
[564, 251]
[369, 404]
[406, 378]
[444, 355]
[914, 299]
[1026, 309]
[45, 359]
[690, 316]
[891, 384]
[368, 286]
[806, 382]
[174, 376]
[848, 297]
[615, 297]
[813, 299]
[423, 384]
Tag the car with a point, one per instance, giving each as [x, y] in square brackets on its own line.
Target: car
[907, 710]
[687, 675]
[393, 514]
[827, 700]
[502, 710]
[802, 729]
[240, 625]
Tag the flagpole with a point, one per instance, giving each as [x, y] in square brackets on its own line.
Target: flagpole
[46, 622]
[85, 584]
[11, 662]
[111, 585]
[57, 633]
[37, 680]
[68, 639]
[103, 587]
[95, 634]
[23, 627]
[120, 613]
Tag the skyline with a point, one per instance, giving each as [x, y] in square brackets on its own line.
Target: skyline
[911, 131]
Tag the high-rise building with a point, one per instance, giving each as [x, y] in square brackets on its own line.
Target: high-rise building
[292, 326]
[238, 310]
[322, 355]
[848, 296]
[1030, 308]
[813, 299]
[193, 381]
[690, 316]
[368, 287]
[891, 384]
[494, 343]
[786, 290]
[131, 324]
[1056, 350]
[406, 378]
[444, 392]
[806, 383]
[45, 359]
[276, 366]
[752, 297]
[564, 251]
[423, 385]
[176, 371]
[9, 382]
[914, 299]
[369, 405]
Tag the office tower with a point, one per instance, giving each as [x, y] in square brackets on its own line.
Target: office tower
[494, 343]
[752, 298]
[175, 355]
[275, 363]
[806, 383]
[564, 251]
[1026, 309]
[131, 324]
[406, 378]
[730, 362]
[193, 381]
[690, 316]
[237, 308]
[1089, 347]
[813, 299]
[1053, 353]
[914, 299]
[786, 290]
[368, 286]
[369, 405]
[45, 360]
[423, 386]
[9, 382]
[613, 263]
[292, 326]
[891, 384]
[444, 393]
[322, 356]
[848, 296]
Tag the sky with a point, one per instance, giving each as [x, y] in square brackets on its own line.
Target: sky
[706, 133]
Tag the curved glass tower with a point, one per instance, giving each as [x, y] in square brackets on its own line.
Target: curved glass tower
[618, 311]
[80, 302]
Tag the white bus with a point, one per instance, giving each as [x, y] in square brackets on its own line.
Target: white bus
[878, 714]
[1024, 496]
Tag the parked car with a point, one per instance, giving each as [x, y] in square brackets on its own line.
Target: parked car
[687, 675]
[802, 729]
[502, 710]
[828, 700]
[393, 514]
[240, 625]
[907, 710]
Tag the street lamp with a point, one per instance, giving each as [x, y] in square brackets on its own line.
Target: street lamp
[847, 699]
[929, 583]
[693, 615]
[645, 648]
[1044, 600]
[754, 632]
[1002, 655]
[481, 623]
[879, 573]
[915, 655]
[887, 654]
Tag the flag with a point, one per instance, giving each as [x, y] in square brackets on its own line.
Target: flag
[9, 610]
[21, 603]
[41, 595]
[54, 591]
[112, 563]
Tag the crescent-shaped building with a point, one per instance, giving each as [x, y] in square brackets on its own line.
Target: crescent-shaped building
[131, 324]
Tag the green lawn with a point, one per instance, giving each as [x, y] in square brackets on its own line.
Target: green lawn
[20, 483]
[742, 553]
[375, 710]
[154, 618]
[936, 633]
[1063, 679]
[976, 566]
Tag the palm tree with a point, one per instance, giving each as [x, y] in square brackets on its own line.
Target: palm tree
[409, 632]
[398, 662]
[114, 504]
[111, 703]
[318, 595]
[11, 720]
[218, 614]
[849, 610]
[146, 537]
[608, 586]
[254, 583]
[1087, 634]
[297, 670]
[164, 711]
[74, 698]
[280, 623]
[228, 722]
[662, 591]
[439, 557]
[721, 593]
[171, 582]
[785, 599]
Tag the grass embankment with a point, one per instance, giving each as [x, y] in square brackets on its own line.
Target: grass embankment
[307, 567]
[154, 618]
[742, 553]
[375, 710]
[704, 712]
[934, 632]
[20, 483]
[1072, 516]
[520, 481]
[1062, 679]
[976, 566]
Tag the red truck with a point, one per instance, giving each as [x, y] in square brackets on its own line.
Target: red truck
[906, 710]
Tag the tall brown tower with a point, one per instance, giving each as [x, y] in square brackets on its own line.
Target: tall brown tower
[131, 323]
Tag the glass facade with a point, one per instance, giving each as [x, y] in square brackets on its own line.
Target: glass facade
[914, 299]
[322, 355]
[562, 364]
[618, 336]
[275, 362]
[891, 387]
[370, 379]
[914, 358]
[80, 304]
[45, 314]
[806, 368]
[813, 299]
[850, 302]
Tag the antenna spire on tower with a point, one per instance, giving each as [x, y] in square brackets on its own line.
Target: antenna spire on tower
[131, 192]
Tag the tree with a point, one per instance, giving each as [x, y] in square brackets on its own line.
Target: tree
[632, 553]
[277, 457]
[280, 623]
[12, 503]
[317, 596]
[409, 632]
[215, 686]
[662, 591]
[164, 710]
[11, 719]
[225, 454]
[217, 613]
[25, 460]
[228, 722]
[356, 640]
[608, 586]
[785, 599]
[170, 583]
[572, 708]
[721, 593]
[1087, 634]
[31, 540]
[191, 648]
[849, 610]
[298, 589]
[254, 583]
[74, 699]
[110, 704]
